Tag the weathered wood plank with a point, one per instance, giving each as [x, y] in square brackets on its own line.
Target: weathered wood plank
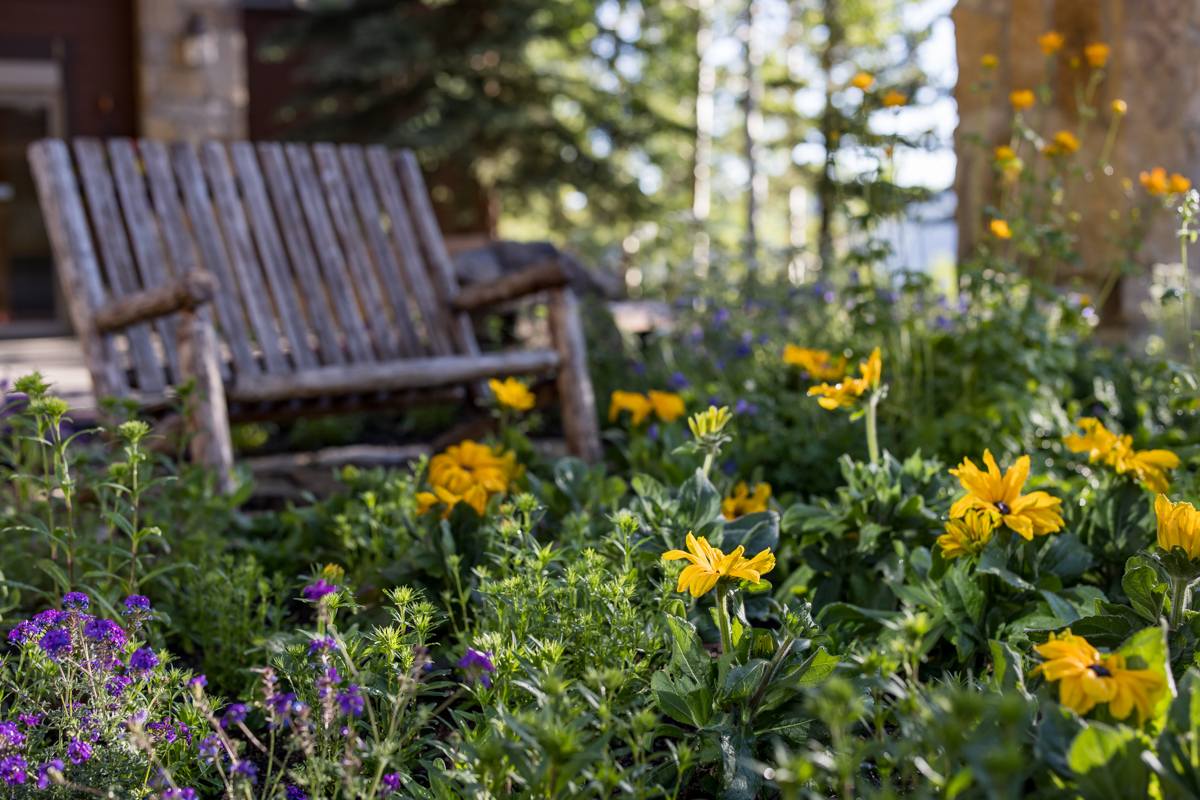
[433, 315]
[329, 254]
[190, 291]
[207, 417]
[114, 246]
[385, 259]
[232, 218]
[304, 262]
[75, 258]
[580, 427]
[291, 409]
[441, 268]
[271, 254]
[394, 375]
[362, 273]
[539, 277]
[230, 312]
[143, 233]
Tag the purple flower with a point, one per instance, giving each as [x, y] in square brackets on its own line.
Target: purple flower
[745, 407]
[48, 618]
[210, 746]
[137, 603]
[11, 737]
[829, 297]
[697, 334]
[179, 794]
[317, 645]
[197, 682]
[295, 793]
[678, 381]
[32, 720]
[24, 632]
[763, 338]
[235, 714]
[43, 779]
[13, 770]
[280, 703]
[351, 701]
[103, 630]
[72, 599]
[247, 769]
[118, 684]
[78, 751]
[721, 316]
[391, 784]
[477, 665]
[652, 431]
[318, 590]
[55, 643]
[143, 660]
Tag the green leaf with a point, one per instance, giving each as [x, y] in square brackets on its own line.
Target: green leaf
[755, 532]
[1056, 731]
[1107, 762]
[648, 488]
[688, 656]
[55, 572]
[739, 778]
[668, 699]
[1008, 669]
[815, 670]
[1178, 762]
[699, 503]
[742, 681]
[1104, 630]
[965, 599]
[1146, 593]
[1066, 557]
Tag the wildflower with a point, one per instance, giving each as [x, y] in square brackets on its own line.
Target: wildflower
[11, 737]
[478, 665]
[210, 746]
[1178, 526]
[894, 99]
[846, 392]
[1097, 54]
[234, 715]
[143, 660]
[48, 618]
[1063, 144]
[862, 81]
[197, 682]
[78, 751]
[13, 770]
[43, 772]
[1005, 153]
[294, 793]
[969, 535]
[1154, 181]
[1085, 678]
[1178, 184]
[819, 364]
[351, 701]
[317, 645]
[1148, 466]
[1021, 99]
[55, 643]
[1034, 514]
[32, 720]
[185, 794]
[637, 404]
[1000, 229]
[25, 631]
[512, 394]
[710, 565]
[391, 784]
[475, 496]
[248, 769]
[742, 502]
[678, 381]
[281, 703]
[1051, 42]
[117, 685]
[318, 590]
[989, 61]
[667, 406]
[1120, 107]
[136, 603]
[744, 406]
[73, 599]
[469, 463]
[107, 631]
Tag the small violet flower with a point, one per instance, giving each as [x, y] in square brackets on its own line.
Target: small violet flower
[317, 645]
[73, 599]
[55, 643]
[477, 665]
[179, 794]
[294, 793]
[351, 701]
[13, 770]
[32, 720]
[248, 769]
[143, 660]
[234, 715]
[391, 784]
[11, 737]
[137, 603]
[79, 751]
[43, 770]
[318, 590]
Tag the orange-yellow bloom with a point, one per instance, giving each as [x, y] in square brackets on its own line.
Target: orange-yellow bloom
[894, 99]
[468, 463]
[1149, 467]
[742, 502]
[1154, 181]
[475, 496]
[668, 406]
[636, 403]
[512, 394]
[1178, 526]
[989, 61]
[1097, 54]
[426, 501]
[1120, 107]
[1178, 184]
[969, 535]
[1005, 153]
[1000, 229]
[1085, 678]
[819, 364]
[1021, 99]
[862, 81]
[1064, 143]
[710, 565]
[1051, 42]
[1029, 515]
[849, 390]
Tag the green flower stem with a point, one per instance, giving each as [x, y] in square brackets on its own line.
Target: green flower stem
[785, 647]
[708, 462]
[723, 617]
[872, 435]
[1181, 598]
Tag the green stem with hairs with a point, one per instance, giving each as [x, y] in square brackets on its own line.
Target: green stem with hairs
[723, 617]
[1181, 598]
[872, 435]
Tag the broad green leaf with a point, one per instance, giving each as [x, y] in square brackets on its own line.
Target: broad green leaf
[1107, 763]
[1145, 592]
[755, 532]
[669, 700]
[699, 503]
[739, 778]
[688, 656]
[1178, 762]
[742, 681]
[1008, 668]
[1066, 557]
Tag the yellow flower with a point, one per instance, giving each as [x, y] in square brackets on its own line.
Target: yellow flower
[1178, 526]
[710, 565]
[969, 535]
[1064, 144]
[1155, 181]
[1178, 184]
[862, 81]
[710, 422]
[1120, 107]
[1000, 229]
[1034, 514]
[426, 501]
[469, 464]
[1051, 42]
[667, 405]
[512, 394]
[637, 404]
[893, 99]
[819, 364]
[1085, 678]
[1005, 153]
[849, 390]
[1097, 441]
[475, 496]
[741, 502]
[1097, 54]
[1148, 466]
[989, 61]
[1021, 99]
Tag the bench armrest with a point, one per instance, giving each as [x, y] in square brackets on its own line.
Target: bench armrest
[539, 277]
[193, 289]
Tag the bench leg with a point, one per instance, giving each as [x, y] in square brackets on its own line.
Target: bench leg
[574, 384]
[208, 419]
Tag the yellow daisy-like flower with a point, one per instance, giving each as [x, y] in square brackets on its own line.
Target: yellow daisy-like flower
[1000, 229]
[668, 406]
[1029, 515]
[819, 364]
[1051, 42]
[475, 496]
[512, 394]
[989, 61]
[894, 99]
[1097, 54]
[1154, 181]
[468, 464]
[636, 403]
[1178, 526]
[710, 565]
[1149, 467]
[1178, 184]
[1021, 99]
[846, 392]
[1004, 153]
[426, 501]
[1097, 441]
[862, 81]
[969, 535]
[1085, 678]
[1064, 144]
[742, 502]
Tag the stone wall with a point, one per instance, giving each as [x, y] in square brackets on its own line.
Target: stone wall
[1152, 67]
[191, 69]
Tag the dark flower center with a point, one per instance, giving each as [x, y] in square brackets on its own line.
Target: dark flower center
[1100, 671]
[1003, 508]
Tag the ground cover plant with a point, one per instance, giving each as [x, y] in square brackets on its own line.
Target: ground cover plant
[850, 539]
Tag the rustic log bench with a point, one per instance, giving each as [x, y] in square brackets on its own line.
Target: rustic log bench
[284, 279]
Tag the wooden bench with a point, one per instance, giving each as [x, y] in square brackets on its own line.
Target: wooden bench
[285, 280]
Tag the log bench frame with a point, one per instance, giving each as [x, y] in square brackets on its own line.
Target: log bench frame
[271, 288]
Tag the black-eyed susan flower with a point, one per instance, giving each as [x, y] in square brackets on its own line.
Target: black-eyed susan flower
[1148, 467]
[1051, 42]
[969, 535]
[1021, 99]
[469, 463]
[426, 501]
[710, 565]
[512, 394]
[475, 496]
[743, 502]
[1085, 678]
[819, 364]
[1029, 515]
[667, 406]
[636, 403]
[1178, 526]
[989, 61]
[849, 390]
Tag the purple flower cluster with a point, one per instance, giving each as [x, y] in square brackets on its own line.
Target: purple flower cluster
[13, 770]
[197, 682]
[32, 720]
[137, 604]
[352, 701]
[234, 715]
[318, 590]
[210, 746]
[75, 599]
[169, 730]
[55, 643]
[248, 769]
[318, 645]
[78, 751]
[11, 738]
[477, 665]
[391, 784]
[143, 660]
[43, 777]
[179, 794]
[295, 793]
